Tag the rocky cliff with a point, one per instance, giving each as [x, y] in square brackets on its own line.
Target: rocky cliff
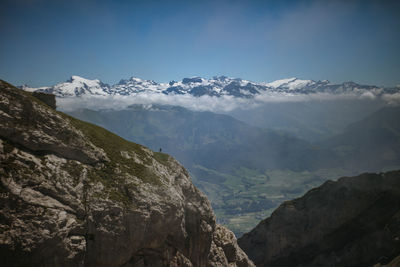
[74, 194]
[352, 222]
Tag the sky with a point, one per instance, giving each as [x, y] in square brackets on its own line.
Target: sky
[45, 42]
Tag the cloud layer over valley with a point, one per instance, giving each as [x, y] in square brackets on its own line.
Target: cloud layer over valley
[210, 103]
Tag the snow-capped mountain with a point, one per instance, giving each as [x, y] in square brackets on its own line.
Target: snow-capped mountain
[298, 86]
[75, 86]
[217, 86]
[134, 86]
[197, 86]
[290, 84]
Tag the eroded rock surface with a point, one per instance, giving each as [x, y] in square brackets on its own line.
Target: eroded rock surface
[352, 222]
[73, 194]
[225, 250]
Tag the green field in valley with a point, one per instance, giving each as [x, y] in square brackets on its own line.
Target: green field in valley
[242, 200]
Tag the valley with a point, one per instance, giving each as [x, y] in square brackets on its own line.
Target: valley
[245, 171]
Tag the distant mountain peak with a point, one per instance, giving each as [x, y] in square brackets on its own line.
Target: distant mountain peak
[291, 83]
[78, 78]
[220, 78]
[280, 82]
[197, 86]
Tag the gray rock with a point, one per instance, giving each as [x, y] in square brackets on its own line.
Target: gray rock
[31, 124]
[48, 99]
[352, 222]
[73, 194]
[225, 250]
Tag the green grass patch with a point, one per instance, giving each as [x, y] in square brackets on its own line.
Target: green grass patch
[161, 158]
[112, 144]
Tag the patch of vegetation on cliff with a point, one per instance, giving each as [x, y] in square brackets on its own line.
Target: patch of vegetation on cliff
[112, 144]
[161, 158]
[113, 174]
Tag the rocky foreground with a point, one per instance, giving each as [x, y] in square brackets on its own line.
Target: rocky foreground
[74, 194]
[352, 222]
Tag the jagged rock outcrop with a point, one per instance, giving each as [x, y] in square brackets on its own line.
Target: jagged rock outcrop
[225, 250]
[394, 263]
[74, 194]
[352, 222]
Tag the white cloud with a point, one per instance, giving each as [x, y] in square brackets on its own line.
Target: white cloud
[392, 99]
[203, 103]
[285, 97]
[207, 103]
[368, 95]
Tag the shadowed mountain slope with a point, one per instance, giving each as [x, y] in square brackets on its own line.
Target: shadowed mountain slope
[371, 143]
[352, 222]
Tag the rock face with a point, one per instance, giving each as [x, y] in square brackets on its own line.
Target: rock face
[225, 250]
[394, 263]
[352, 222]
[48, 99]
[74, 194]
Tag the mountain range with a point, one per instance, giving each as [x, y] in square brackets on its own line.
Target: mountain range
[216, 86]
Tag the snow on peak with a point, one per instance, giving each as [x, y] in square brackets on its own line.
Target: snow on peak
[198, 86]
[135, 79]
[290, 83]
[278, 83]
[33, 89]
[298, 84]
[75, 79]
[135, 85]
[75, 86]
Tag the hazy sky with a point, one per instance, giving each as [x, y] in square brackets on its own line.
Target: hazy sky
[45, 42]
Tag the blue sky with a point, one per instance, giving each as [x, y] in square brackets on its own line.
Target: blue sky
[45, 42]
